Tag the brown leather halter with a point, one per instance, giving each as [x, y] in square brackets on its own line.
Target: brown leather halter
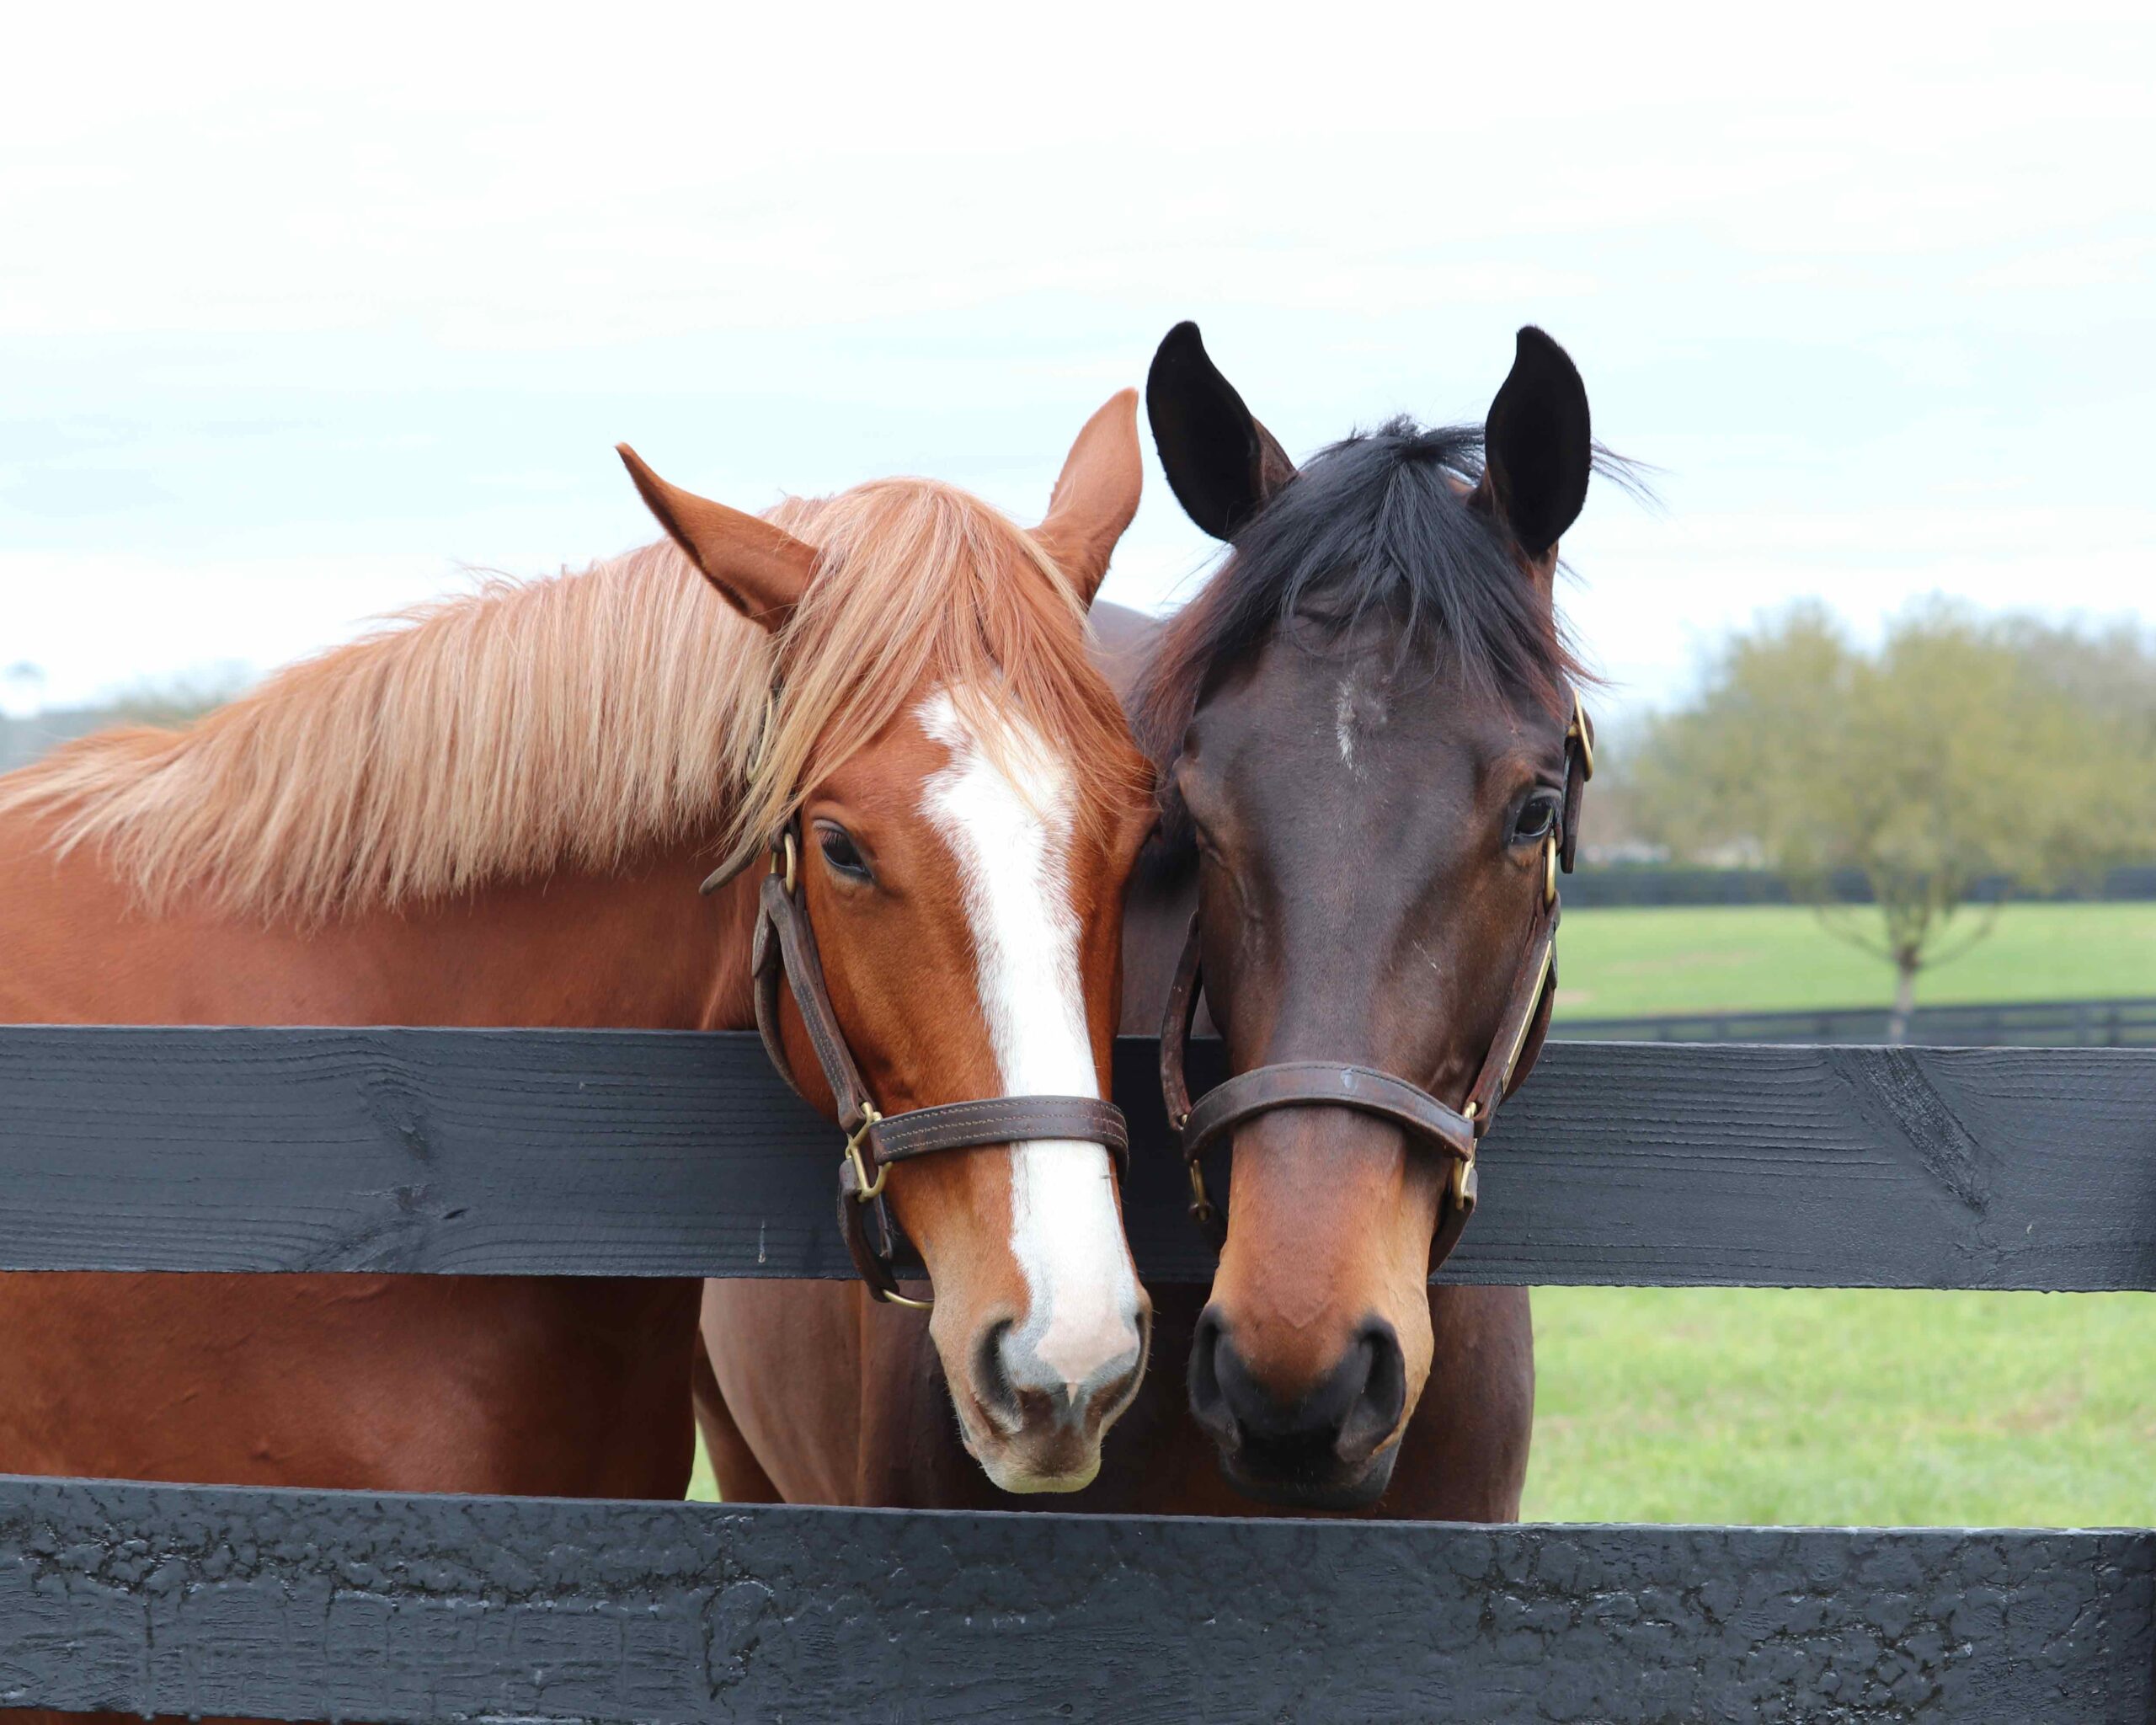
[1455, 1133]
[786, 950]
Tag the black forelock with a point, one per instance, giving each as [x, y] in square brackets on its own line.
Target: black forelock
[1378, 522]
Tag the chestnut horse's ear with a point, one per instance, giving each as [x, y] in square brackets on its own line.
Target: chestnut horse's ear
[1538, 448]
[761, 570]
[1096, 495]
[1221, 463]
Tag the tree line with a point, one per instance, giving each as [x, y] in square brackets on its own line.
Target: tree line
[1960, 747]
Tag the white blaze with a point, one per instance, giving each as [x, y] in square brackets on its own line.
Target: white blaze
[1009, 823]
[1343, 723]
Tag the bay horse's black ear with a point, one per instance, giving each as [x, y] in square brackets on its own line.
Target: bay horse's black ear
[1221, 463]
[1538, 448]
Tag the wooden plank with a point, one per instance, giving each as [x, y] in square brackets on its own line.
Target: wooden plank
[406, 1150]
[620, 1153]
[2086, 1023]
[325, 1605]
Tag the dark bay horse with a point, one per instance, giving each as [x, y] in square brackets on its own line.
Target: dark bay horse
[499, 815]
[1360, 723]
[1361, 726]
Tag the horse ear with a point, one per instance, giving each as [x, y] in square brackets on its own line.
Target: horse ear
[761, 570]
[1096, 495]
[1222, 464]
[1538, 448]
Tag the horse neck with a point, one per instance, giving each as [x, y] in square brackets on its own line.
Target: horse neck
[633, 946]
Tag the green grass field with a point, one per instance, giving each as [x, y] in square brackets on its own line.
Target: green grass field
[1775, 1406]
[1768, 1405]
[1776, 957]
[1815, 1406]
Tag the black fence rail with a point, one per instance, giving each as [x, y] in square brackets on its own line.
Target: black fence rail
[2115, 1023]
[522, 1152]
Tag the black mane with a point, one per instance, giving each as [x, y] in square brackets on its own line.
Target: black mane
[1379, 521]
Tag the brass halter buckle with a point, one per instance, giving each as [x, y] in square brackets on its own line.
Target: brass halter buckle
[1201, 1204]
[865, 1191]
[1463, 1168]
[1579, 732]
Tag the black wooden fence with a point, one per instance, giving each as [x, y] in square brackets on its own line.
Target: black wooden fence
[2115, 1024]
[1613, 885]
[533, 1151]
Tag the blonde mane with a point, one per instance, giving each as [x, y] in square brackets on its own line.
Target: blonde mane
[573, 721]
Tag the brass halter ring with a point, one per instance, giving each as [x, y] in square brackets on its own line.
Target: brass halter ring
[792, 858]
[865, 1192]
[1585, 737]
[1549, 869]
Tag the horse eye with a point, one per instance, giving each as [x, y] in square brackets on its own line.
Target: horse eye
[1535, 820]
[840, 853]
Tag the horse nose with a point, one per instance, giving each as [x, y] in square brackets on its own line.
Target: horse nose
[1338, 1423]
[1021, 1382]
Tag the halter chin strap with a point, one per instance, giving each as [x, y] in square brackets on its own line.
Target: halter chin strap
[785, 951]
[1454, 1133]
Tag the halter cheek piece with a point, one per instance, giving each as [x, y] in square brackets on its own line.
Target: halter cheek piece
[1454, 1133]
[786, 950]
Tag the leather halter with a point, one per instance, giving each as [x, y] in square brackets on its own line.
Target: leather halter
[786, 950]
[1454, 1133]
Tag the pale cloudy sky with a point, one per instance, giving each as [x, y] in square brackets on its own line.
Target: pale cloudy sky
[302, 309]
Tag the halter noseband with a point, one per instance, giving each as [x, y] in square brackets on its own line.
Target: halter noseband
[786, 949]
[1455, 1133]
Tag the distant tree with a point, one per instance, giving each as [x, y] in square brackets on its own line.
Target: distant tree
[1962, 748]
[176, 700]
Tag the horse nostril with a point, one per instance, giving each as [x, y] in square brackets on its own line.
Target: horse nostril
[1343, 1418]
[1208, 1402]
[992, 1385]
[1376, 1408]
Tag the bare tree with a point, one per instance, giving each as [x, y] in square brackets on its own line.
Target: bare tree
[1961, 750]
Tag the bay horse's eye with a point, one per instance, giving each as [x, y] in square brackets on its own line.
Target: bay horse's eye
[841, 852]
[1536, 818]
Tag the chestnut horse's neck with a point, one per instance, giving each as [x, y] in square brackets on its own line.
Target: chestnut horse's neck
[493, 815]
[631, 946]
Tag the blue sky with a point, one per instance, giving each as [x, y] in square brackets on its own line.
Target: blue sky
[298, 318]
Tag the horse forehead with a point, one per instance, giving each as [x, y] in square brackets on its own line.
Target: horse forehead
[998, 769]
[1377, 719]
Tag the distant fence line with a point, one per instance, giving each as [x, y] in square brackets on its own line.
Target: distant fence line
[1620, 886]
[2118, 1023]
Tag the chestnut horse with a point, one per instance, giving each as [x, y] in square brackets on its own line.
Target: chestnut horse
[1360, 726]
[499, 815]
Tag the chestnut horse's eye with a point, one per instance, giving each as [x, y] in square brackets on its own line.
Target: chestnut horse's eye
[840, 853]
[1536, 820]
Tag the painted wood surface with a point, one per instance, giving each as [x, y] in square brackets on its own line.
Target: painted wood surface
[614, 1153]
[329, 1605]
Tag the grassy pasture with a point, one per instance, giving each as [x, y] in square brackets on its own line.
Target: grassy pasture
[1627, 963]
[1827, 1406]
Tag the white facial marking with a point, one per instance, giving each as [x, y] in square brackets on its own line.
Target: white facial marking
[1009, 824]
[1360, 706]
[1343, 722]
